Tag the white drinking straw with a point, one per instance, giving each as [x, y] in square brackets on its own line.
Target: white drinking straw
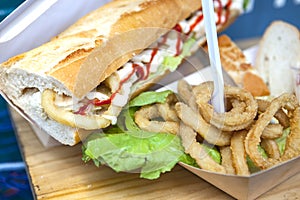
[214, 55]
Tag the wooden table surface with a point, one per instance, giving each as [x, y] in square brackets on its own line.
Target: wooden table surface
[59, 173]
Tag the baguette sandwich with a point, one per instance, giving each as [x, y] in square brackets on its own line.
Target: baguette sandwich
[80, 80]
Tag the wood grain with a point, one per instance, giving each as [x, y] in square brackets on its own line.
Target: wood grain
[59, 173]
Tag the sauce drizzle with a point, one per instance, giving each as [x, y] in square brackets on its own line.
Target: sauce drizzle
[143, 74]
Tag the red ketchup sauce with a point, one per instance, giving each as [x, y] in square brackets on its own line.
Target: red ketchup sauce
[179, 39]
[143, 74]
[198, 20]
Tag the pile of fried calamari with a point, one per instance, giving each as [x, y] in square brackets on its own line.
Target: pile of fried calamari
[239, 134]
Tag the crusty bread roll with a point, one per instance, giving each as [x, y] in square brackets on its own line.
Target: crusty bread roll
[279, 50]
[58, 61]
[88, 53]
[236, 65]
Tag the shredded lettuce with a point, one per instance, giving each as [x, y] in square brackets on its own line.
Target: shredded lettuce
[171, 63]
[282, 140]
[150, 97]
[252, 167]
[187, 46]
[213, 152]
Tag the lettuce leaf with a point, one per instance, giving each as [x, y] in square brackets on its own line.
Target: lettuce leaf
[171, 63]
[126, 148]
[282, 140]
[252, 167]
[213, 152]
[124, 152]
[150, 97]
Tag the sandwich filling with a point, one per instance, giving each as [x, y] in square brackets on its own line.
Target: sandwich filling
[100, 107]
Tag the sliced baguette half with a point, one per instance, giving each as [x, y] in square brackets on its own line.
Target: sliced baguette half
[279, 50]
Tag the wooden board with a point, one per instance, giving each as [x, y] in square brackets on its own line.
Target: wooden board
[58, 173]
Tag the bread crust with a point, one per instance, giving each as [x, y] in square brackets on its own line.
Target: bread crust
[57, 64]
[62, 57]
[278, 51]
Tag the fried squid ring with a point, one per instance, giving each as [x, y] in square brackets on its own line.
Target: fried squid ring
[160, 117]
[226, 155]
[292, 147]
[239, 155]
[197, 151]
[186, 94]
[253, 137]
[194, 120]
[65, 114]
[271, 148]
[167, 110]
[280, 115]
[232, 120]
[147, 119]
[61, 115]
[272, 131]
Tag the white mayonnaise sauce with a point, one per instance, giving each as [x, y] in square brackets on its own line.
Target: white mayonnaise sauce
[169, 48]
